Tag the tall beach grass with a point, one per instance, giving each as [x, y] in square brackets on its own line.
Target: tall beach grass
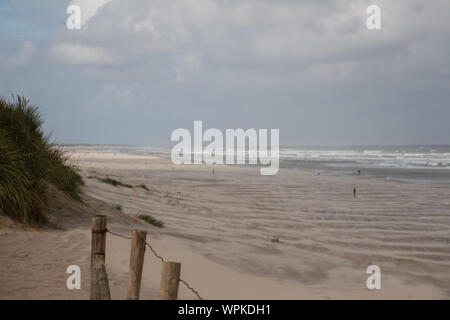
[29, 162]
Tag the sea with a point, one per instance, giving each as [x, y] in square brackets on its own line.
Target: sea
[409, 164]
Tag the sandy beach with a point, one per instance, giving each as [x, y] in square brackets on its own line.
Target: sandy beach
[239, 235]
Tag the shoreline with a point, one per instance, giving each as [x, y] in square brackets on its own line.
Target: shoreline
[439, 175]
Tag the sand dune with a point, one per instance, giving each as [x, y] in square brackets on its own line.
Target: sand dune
[295, 235]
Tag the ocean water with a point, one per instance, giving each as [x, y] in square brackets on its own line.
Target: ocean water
[430, 163]
[402, 163]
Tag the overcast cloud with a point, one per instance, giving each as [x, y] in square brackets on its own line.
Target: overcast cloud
[139, 69]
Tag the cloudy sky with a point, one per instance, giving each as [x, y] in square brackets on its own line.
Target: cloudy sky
[138, 69]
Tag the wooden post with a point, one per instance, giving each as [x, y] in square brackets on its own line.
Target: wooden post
[170, 279]
[101, 289]
[99, 278]
[136, 264]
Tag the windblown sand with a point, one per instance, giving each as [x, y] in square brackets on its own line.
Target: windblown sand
[240, 235]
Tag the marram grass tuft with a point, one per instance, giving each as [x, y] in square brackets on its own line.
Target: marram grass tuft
[28, 163]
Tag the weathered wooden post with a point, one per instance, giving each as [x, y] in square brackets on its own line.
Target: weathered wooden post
[101, 291]
[136, 264]
[170, 279]
[99, 278]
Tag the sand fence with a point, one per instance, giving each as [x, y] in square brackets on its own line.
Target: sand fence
[170, 276]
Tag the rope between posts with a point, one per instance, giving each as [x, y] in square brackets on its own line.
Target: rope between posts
[160, 258]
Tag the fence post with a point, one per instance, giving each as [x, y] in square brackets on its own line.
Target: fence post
[136, 264]
[99, 278]
[170, 279]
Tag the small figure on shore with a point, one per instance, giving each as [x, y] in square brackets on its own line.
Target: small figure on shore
[359, 172]
[354, 192]
[213, 171]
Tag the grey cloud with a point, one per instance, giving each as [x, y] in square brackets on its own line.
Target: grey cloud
[139, 69]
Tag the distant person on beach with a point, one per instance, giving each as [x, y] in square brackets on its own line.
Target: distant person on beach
[213, 171]
[354, 192]
[359, 172]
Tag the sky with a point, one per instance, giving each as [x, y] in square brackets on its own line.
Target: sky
[137, 70]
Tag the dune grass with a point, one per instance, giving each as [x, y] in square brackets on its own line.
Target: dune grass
[29, 162]
[113, 182]
[151, 220]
